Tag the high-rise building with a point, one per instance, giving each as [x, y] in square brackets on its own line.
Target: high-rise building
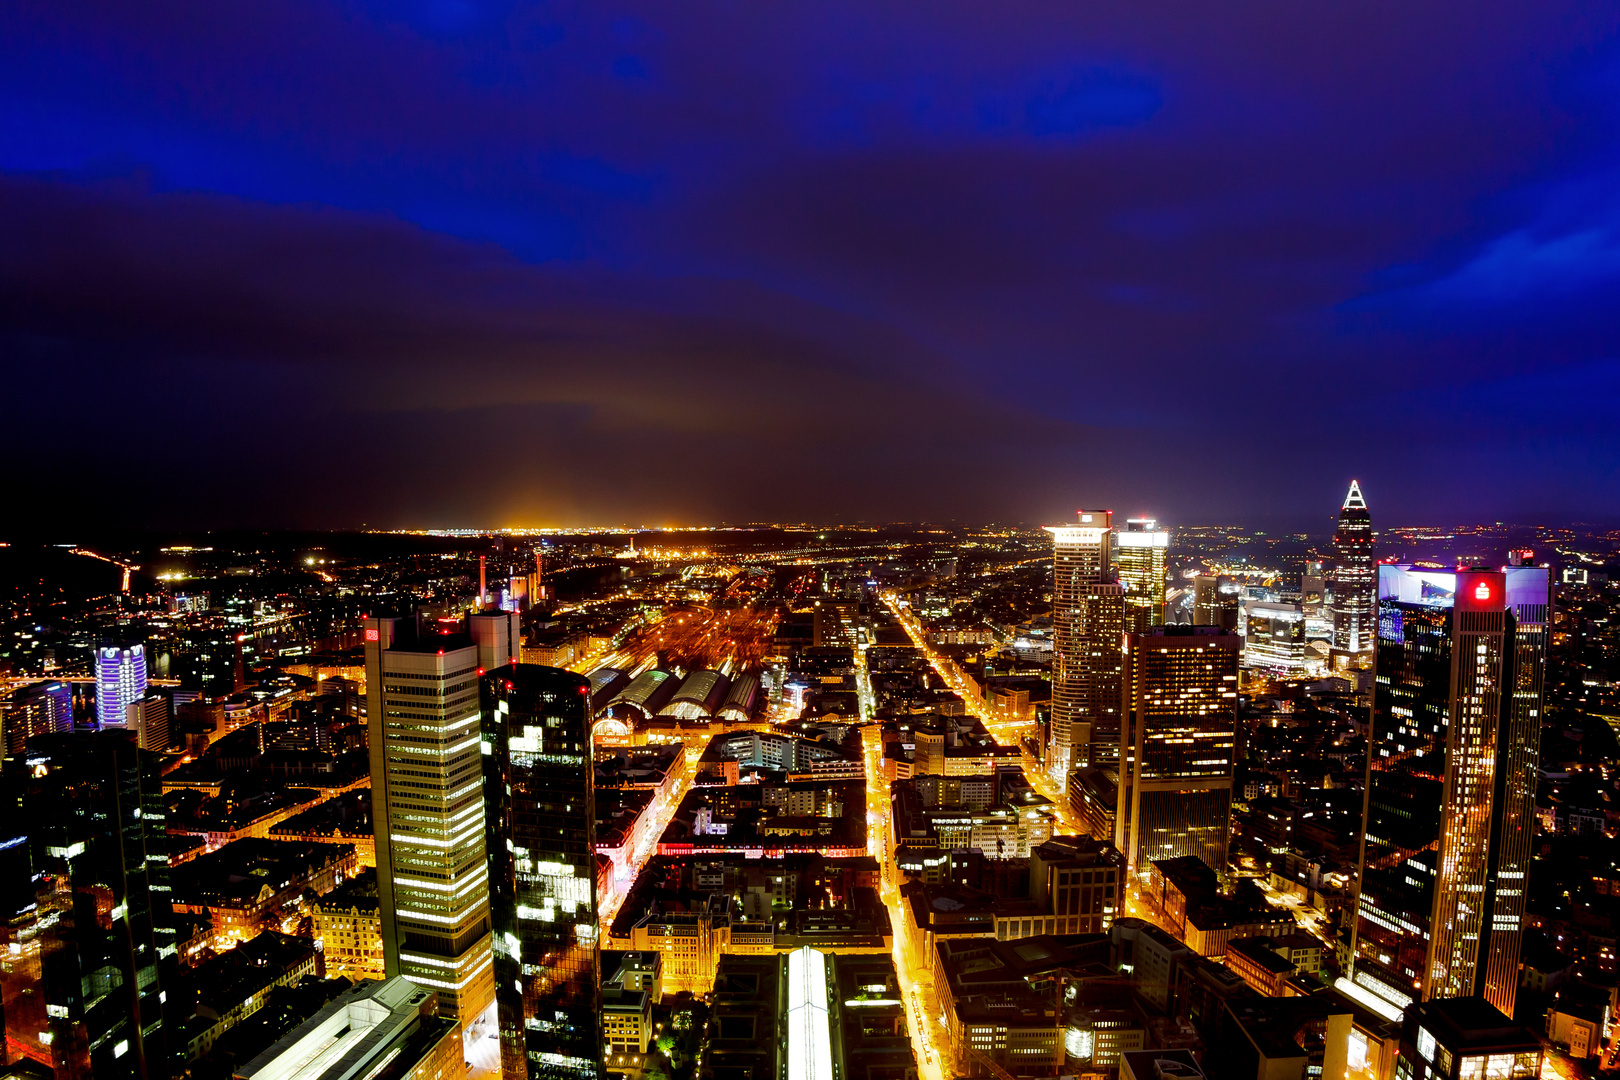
[148, 717]
[1451, 780]
[1177, 746]
[1353, 576]
[83, 993]
[1312, 587]
[1088, 619]
[36, 709]
[1216, 601]
[1274, 637]
[427, 802]
[1139, 554]
[120, 679]
[541, 825]
[836, 619]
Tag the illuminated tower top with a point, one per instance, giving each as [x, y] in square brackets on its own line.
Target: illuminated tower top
[1353, 575]
[1083, 549]
[1139, 556]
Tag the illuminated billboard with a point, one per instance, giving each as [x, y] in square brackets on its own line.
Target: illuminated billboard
[1524, 586]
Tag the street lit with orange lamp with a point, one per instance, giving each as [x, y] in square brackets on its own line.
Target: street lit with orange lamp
[925, 1033]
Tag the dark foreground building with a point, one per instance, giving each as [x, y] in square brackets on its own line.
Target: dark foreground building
[1465, 1038]
[540, 820]
[87, 808]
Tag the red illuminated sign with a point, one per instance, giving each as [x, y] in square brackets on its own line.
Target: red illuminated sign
[1482, 591]
[372, 635]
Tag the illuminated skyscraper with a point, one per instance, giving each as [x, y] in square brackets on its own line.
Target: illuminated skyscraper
[422, 717]
[85, 812]
[1088, 618]
[1177, 745]
[1451, 783]
[120, 679]
[1353, 577]
[541, 823]
[1139, 554]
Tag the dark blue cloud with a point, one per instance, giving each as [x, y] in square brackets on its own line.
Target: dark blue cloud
[950, 260]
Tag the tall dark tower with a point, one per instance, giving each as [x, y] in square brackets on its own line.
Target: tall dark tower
[87, 808]
[1451, 780]
[540, 820]
[1353, 576]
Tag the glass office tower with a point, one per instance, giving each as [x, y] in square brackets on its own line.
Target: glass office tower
[1450, 783]
[540, 819]
[1140, 550]
[1353, 577]
[428, 809]
[1177, 745]
[86, 902]
[1088, 618]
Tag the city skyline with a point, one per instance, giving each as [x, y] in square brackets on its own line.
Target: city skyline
[833, 541]
[617, 783]
[1305, 519]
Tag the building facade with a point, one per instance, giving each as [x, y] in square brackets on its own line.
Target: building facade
[1140, 550]
[1177, 746]
[541, 819]
[1353, 576]
[88, 810]
[1450, 792]
[148, 717]
[120, 679]
[427, 802]
[1078, 880]
[349, 928]
[1465, 1038]
[1088, 617]
[1216, 601]
[39, 709]
[1274, 638]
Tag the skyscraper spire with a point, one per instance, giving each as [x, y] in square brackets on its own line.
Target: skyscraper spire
[1353, 576]
[1353, 500]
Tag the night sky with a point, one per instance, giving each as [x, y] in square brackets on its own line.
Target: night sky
[439, 263]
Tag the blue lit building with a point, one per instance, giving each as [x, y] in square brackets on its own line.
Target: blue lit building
[120, 679]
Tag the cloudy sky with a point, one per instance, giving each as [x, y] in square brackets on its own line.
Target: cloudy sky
[443, 263]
